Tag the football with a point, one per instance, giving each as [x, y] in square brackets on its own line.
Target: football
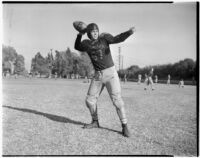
[80, 26]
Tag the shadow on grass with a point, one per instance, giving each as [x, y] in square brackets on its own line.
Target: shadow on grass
[54, 117]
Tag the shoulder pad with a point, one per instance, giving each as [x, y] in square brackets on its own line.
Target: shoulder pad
[104, 34]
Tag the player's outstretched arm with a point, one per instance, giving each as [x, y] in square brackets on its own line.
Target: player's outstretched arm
[119, 38]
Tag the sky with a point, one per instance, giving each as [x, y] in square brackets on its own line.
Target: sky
[165, 32]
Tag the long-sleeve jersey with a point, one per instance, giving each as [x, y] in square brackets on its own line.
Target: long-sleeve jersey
[150, 73]
[99, 50]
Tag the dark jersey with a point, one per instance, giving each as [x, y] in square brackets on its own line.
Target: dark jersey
[99, 50]
[150, 73]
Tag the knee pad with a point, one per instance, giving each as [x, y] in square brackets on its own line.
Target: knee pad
[118, 102]
[90, 101]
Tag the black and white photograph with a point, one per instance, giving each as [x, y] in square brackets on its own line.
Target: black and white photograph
[100, 78]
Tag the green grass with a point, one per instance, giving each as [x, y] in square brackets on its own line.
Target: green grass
[45, 117]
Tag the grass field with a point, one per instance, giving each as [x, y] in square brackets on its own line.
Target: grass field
[45, 117]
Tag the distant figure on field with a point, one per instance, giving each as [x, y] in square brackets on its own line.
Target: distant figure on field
[30, 75]
[125, 78]
[139, 78]
[7, 74]
[16, 75]
[56, 75]
[87, 79]
[12, 67]
[148, 80]
[156, 79]
[181, 83]
[168, 79]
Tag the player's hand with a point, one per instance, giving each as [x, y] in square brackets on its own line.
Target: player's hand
[132, 29]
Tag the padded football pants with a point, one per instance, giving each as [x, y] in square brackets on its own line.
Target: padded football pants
[106, 78]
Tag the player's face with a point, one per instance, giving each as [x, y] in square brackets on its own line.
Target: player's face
[94, 34]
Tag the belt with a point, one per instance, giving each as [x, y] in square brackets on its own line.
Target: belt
[101, 71]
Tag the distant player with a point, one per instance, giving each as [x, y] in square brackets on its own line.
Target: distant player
[7, 74]
[125, 78]
[168, 79]
[56, 75]
[148, 80]
[156, 79]
[87, 79]
[139, 78]
[30, 75]
[15, 75]
[181, 83]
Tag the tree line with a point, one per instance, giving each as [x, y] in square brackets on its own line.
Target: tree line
[12, 62]
[183, 69]
[66, 64]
